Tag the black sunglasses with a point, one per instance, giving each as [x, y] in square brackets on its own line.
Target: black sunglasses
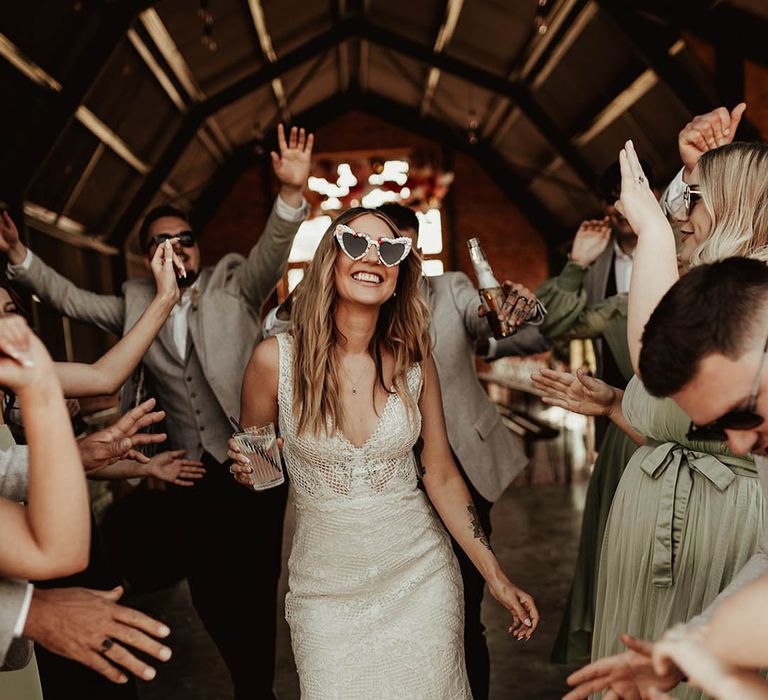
[186, 239]
[740, 419]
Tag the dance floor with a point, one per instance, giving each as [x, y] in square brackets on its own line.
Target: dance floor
[535, 535]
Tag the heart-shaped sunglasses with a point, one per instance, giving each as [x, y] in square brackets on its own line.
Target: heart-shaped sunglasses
[391, 251]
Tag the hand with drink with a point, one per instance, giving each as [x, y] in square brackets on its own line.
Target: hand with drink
[255, 455]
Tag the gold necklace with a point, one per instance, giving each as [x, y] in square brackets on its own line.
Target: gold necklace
[351, 381]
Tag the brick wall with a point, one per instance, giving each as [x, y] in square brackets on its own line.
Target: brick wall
[516, 250]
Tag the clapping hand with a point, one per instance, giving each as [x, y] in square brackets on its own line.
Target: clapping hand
[119, 440]
[292, 164]
[173, 468]
[638, 204]
[626, 676]
[89, 627]
[591, 240]
[707, 131]
[579, 393]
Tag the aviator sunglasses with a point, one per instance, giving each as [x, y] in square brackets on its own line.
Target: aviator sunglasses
[186, 239]
[691, 196]
[740, 419]
[391, 251]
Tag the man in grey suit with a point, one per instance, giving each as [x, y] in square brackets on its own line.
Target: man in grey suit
[229, 539]
[489, 455]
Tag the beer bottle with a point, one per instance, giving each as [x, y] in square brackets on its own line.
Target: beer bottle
[491, 293]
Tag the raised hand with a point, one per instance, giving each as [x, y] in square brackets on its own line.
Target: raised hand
[579, 393]
[119, 440]
[591, 240]
[89, 627]
[707, 131]
[10, 242]
[525, 616]
[626, 676]
[24, 361]
[292, 164]
[173, 468]
[638, 203]
[165, 266]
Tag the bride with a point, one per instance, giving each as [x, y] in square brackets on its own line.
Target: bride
[375, 603]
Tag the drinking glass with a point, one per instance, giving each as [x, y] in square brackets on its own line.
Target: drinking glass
[259, 445]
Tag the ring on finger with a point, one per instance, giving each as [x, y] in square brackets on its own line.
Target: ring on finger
[106, 645]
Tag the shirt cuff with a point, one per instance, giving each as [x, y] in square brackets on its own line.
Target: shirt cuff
[571, 279]
[23, 265]
[673, 198]
[21, 623]
[289, 213]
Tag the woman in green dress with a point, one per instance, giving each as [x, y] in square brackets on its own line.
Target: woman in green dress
[686, 516]
[569, 316]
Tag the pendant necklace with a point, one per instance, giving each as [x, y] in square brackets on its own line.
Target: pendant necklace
[352, 381]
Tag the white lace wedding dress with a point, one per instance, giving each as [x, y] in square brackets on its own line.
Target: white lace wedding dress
[375, 602]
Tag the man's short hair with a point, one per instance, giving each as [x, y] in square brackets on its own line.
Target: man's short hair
[609, 185]
[404, 217]
[155, 214]
[719, 308]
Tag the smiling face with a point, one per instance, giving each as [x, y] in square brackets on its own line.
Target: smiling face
[190, 256]
[723, 384]
[367, 281]
[696, 227]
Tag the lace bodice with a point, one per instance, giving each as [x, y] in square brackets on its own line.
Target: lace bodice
[331, 466]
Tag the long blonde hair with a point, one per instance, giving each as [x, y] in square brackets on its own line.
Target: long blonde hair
[401, 330]
[734, 190]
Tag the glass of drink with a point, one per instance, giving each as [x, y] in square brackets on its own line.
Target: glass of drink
[259, 445]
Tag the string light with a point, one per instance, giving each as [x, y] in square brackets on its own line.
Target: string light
[207, 18]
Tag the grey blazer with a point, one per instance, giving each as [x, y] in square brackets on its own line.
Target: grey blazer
[490, 454]
[225, 328]
[14, 653]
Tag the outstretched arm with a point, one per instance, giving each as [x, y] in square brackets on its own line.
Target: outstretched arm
[267, 260]
[102, 310]
[450, 496]
[109, 372]
[583, 394]
[655, 266]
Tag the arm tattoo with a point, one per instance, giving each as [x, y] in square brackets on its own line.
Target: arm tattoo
[477, 528]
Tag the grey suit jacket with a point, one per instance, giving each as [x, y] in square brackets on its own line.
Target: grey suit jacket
[225, 327]
[490, 454]
[14, 653]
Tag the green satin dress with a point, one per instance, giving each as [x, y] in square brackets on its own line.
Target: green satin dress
[685, 519]
[569, 316]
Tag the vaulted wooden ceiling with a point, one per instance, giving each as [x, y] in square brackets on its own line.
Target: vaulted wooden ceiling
[113, 106]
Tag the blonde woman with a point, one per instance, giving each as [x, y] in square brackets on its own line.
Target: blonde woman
[688, 514]
[375, 603]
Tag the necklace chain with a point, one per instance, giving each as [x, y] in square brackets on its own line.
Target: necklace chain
[352, 381]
